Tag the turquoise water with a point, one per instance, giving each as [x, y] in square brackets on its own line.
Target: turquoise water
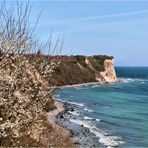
[116, 113]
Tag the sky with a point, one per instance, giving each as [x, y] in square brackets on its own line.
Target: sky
[116, 28]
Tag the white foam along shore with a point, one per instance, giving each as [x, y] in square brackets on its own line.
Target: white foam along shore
[77, 85]
[104, 138]
[83, 84]
[99, 82]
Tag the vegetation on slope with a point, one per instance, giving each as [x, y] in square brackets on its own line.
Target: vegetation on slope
[75, 70]
[25, 97]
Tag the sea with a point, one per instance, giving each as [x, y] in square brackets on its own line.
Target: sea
[117, 114]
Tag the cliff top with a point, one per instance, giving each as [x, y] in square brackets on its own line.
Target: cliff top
[69, 58]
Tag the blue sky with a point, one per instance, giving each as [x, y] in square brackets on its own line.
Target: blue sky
[117, 28]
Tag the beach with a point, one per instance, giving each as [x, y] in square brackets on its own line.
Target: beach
[77, 134]
[62, 134]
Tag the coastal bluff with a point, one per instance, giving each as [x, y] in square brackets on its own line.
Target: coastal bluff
[26, 117]
[82, 69]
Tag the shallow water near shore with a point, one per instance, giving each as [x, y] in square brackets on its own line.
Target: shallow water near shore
[115, 113]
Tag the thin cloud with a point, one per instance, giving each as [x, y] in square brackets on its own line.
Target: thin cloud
[111, 26]
[92, 18]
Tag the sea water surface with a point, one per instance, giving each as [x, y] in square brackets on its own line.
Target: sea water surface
[116, 113]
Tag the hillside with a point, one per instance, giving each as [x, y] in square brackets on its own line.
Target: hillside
[76, 69]
[82, 69]
[26, 98]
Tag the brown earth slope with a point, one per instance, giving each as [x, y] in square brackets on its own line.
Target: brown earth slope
[82, 69]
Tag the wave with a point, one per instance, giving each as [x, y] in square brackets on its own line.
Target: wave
[104, 138]
[128, 80]
[98, 120]
[74, 113]
[95, 86]
[78, 104]
[88, 118]
[80, 87]
[142, 82]
[89, 110]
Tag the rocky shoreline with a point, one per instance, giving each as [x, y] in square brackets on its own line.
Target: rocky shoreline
[80, 135]
[82, 85]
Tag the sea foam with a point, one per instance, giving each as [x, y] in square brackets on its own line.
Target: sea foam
[74, 113]
[74, 103]
[104, 138]
[87, 109]
[129, 80]
[88, 118]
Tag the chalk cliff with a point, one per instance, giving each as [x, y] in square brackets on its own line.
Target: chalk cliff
[109, 74]
[82, 69]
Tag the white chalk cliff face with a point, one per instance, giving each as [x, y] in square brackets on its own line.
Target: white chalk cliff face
[109, 74]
